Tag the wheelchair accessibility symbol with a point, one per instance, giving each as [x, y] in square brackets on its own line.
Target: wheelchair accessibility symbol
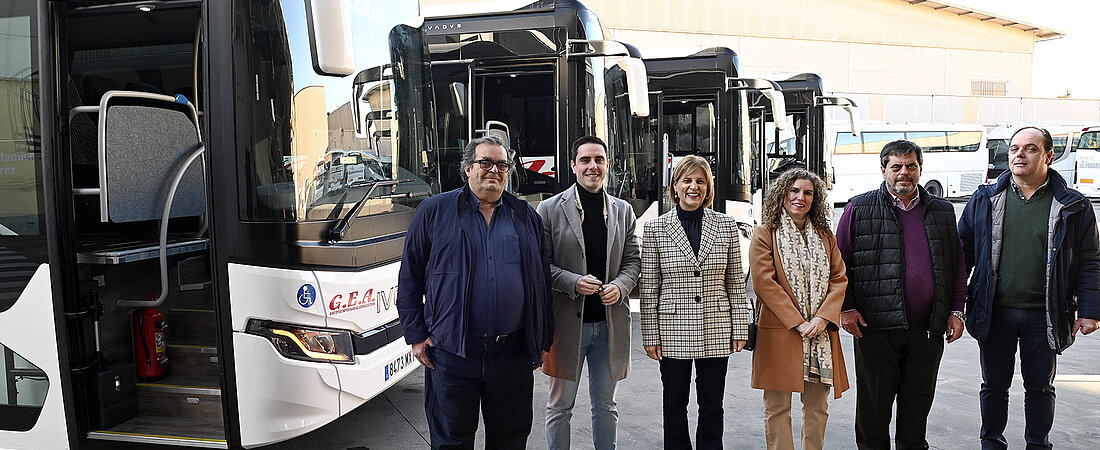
[307, 295]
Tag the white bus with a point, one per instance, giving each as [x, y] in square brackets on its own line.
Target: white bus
[249, 168]
[954, 165]
[1065, 135]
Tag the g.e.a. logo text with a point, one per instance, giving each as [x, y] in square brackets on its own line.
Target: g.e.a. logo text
[355, 300]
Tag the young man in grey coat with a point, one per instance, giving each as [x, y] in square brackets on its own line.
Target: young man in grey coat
[594, 264]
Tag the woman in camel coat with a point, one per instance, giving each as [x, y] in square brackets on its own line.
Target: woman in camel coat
[799, 280]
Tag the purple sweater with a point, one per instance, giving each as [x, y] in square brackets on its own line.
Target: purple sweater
[918, 263]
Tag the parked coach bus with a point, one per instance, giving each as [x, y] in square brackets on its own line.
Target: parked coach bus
[539, 77]
[700, 105]
[954, 164]
[178, 265]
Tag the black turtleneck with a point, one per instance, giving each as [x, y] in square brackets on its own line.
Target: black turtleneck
[595, 249]
[693, 225]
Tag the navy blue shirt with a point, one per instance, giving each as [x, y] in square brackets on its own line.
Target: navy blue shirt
[497, 276]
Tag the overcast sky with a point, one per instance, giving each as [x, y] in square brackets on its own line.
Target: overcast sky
[1069, 63]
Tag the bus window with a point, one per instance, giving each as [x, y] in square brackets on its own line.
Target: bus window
[451, 120]
[963, 141]
[22, 222]
[874, 141]
[299, 173]
[24, 394]
[847, 143]
[1059, 146]
[929, 141]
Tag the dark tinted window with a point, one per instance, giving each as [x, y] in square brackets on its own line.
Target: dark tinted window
[22, 229]
[22, 221]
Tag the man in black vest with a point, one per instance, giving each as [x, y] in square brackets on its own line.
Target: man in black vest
[906, 288]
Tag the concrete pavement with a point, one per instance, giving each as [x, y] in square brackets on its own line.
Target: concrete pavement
[395, 420]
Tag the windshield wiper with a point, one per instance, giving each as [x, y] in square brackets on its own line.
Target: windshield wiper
[337, 232]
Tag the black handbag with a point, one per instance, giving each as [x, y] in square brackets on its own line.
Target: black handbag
[750, 344]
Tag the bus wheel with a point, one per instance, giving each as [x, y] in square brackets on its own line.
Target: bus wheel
[934, 188]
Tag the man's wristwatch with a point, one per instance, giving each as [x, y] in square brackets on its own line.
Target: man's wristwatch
[961, 315]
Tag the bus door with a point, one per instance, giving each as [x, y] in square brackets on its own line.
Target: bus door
[33, 388]
[654, 181]
[517, 101]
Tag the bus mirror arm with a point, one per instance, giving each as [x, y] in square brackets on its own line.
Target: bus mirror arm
[340, 230]
[770, 89]
[177, 177]
[849, 106]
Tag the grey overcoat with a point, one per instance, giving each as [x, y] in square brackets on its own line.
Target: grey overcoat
[561, 220]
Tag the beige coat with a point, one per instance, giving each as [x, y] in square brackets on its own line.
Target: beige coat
[693, 306]
[777, 361]
[561, 220]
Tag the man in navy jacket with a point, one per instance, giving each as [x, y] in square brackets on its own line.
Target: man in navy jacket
[1035, 282]
[474, 300]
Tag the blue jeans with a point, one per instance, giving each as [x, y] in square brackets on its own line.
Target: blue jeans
[496, 377]
[1037, 364]
[601, 390]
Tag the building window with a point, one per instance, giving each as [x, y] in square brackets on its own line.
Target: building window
[989, 88]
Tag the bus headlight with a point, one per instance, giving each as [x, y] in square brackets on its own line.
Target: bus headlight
[306, 343]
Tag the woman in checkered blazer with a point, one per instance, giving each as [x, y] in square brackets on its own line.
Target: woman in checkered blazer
[693, 304]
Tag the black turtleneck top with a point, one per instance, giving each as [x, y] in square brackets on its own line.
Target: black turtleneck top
[693, 225]
[595, 249]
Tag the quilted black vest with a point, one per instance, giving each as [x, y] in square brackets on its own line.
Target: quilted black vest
[876, 275]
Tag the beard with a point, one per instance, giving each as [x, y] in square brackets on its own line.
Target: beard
[898, 190]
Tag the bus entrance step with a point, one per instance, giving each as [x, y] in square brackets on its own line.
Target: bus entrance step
[197, 432]
[180, 396]
[194, 360]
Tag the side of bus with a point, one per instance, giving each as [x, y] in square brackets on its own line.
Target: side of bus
[178, 156]
[954, 165]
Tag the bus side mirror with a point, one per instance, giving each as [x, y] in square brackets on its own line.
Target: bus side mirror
[637, 86]
[848, 105]
[770, 89]
[330, 38]
[626, 56]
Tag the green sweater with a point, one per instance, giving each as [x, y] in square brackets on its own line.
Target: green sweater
[1021, 273]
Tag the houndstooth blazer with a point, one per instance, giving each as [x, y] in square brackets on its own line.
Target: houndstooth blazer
[693, 306]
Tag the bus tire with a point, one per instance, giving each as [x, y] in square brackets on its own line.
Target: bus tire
[933, 187]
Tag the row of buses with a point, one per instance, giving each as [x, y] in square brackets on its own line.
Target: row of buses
[215, 194]
[203, 204]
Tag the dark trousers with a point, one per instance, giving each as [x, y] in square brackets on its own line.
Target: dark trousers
[495, 376]
[710, 383]
[1037, 365]
[900, 364]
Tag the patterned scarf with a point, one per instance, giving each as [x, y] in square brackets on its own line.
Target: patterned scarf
[806, 266]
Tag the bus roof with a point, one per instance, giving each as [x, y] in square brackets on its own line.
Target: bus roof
[878, 126]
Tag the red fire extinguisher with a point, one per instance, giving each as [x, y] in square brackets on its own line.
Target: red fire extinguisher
[150, 352]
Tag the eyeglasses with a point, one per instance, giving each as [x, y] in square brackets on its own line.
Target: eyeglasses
[488, 164]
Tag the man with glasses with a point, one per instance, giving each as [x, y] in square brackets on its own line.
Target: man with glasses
[474, 300]
[594, 263]
[1033, 246]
